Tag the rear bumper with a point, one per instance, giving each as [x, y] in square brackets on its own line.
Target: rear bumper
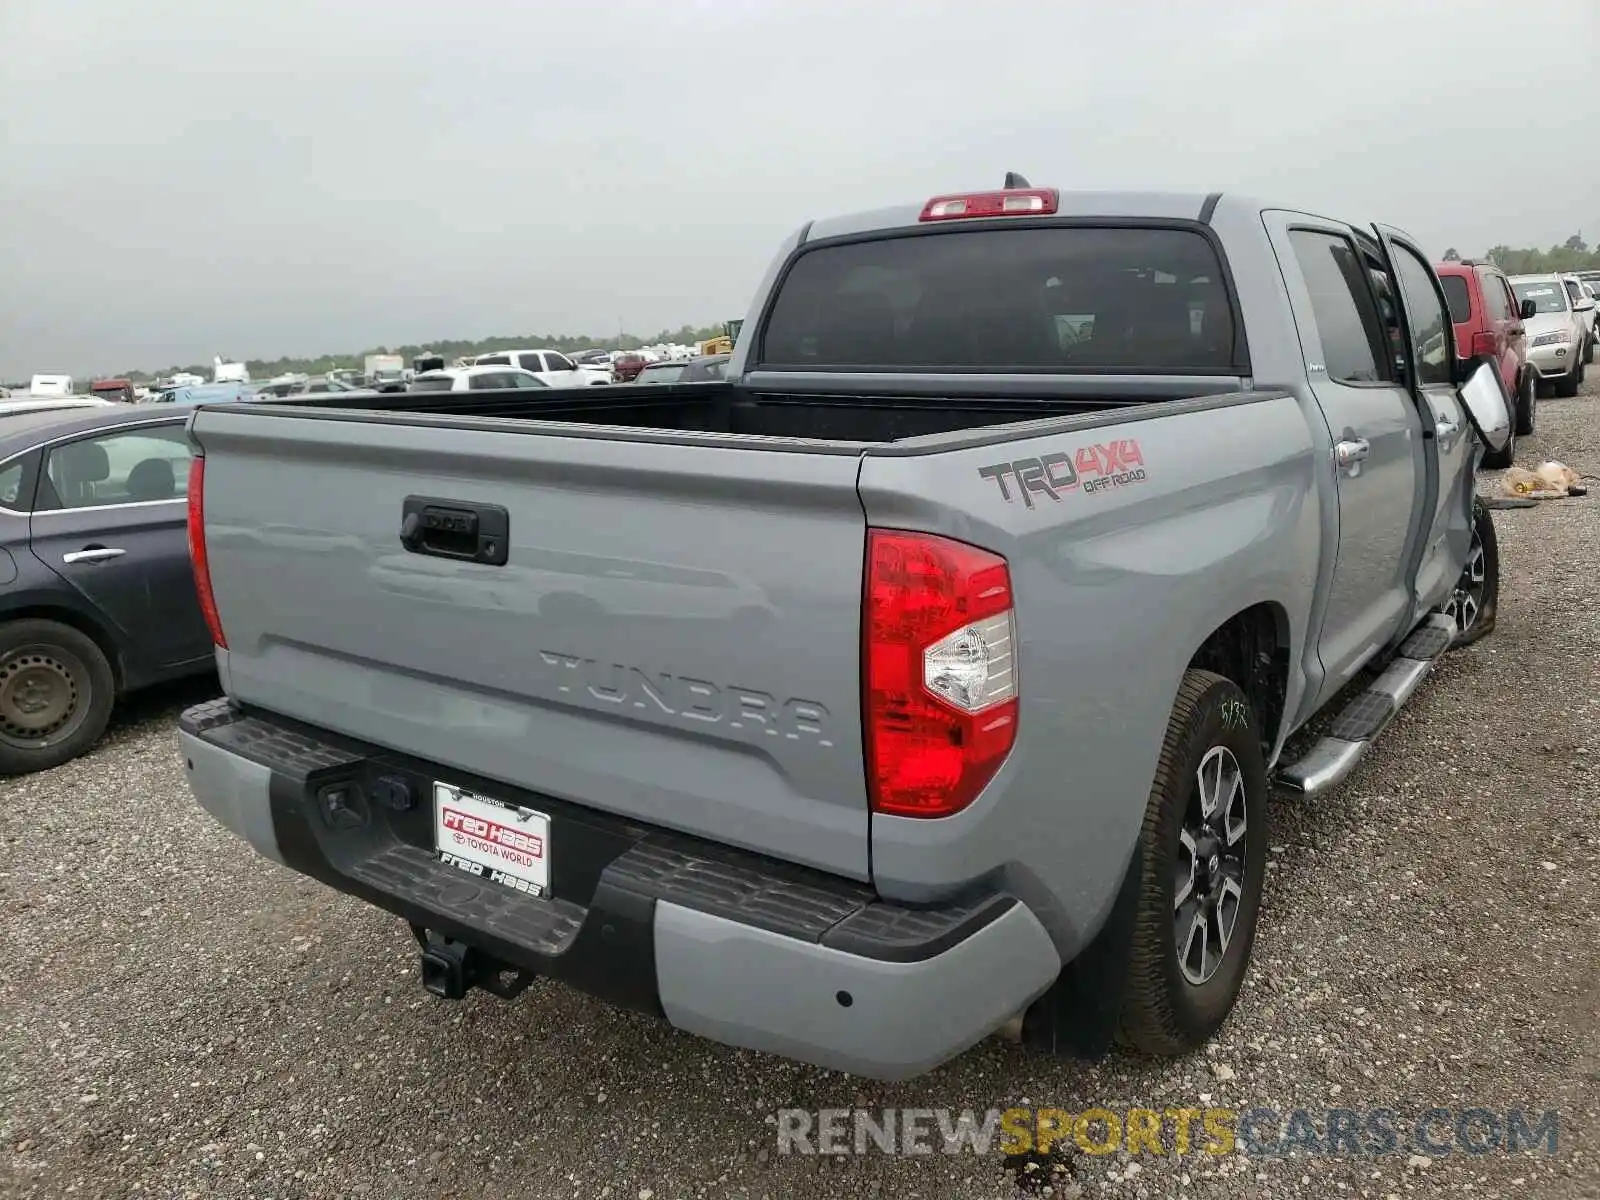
[746, 950]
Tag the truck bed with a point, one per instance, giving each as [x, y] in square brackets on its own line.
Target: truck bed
[856, 417]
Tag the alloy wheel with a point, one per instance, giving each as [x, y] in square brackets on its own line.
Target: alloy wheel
[1209, 882]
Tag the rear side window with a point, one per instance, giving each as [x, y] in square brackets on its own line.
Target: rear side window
[438, 383]
[1496, 296]
[1459, 296]
[1347, 318]
[528, 362]
[1051, 300]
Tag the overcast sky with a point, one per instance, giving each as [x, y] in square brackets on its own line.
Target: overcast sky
[186, 177]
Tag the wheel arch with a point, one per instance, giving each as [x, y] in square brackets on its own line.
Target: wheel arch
[1252, 649]
[85, 624]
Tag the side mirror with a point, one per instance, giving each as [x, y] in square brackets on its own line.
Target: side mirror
[1528, 309]
[1584, 305]
[1483, 395]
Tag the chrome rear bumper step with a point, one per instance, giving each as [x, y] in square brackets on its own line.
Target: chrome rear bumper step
[1329, 763]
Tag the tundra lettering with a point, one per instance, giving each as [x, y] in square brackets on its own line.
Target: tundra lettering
[699, 700]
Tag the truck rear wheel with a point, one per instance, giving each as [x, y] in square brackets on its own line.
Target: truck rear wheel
[1203, 848]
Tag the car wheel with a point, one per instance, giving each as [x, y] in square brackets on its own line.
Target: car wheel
[56, 691]
[1203, 859]
[1475, 602]
[1527, 406]
[1567, 386]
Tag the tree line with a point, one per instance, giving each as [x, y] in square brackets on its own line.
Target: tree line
[450, 349]
[1574, 254]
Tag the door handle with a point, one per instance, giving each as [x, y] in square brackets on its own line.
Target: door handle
[93, 554]
[1446, 429]
[1350, 454]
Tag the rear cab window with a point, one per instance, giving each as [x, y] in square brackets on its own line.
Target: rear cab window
[1056, 299]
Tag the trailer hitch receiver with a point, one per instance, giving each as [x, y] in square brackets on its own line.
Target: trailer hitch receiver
[451, 969]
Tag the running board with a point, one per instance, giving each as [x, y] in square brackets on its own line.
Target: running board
[1357, 726]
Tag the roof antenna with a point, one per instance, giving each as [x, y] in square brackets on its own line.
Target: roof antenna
[1013, 180]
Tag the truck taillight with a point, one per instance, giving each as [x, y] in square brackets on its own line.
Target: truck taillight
[939, 672]
[1483, 343]
[197, 549]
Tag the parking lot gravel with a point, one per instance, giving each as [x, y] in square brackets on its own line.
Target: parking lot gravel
[181, 1018]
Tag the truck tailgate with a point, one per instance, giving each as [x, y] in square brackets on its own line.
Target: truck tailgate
[674, 635]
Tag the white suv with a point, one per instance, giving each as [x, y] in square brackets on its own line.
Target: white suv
[555, 368]
[1558, 336]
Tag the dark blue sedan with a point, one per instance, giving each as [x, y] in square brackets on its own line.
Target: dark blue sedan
[97, 597]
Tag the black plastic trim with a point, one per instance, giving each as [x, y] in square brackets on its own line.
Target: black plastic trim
[1209, 207]
[595, 928]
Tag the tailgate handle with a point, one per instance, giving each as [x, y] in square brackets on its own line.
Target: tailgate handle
[456, 529]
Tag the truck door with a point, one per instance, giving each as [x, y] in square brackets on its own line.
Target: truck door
[1429, 343]
[1377, 465]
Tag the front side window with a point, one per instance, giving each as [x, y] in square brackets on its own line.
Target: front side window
[1059, 299]
[1347, 320]
[559, 362]
[1431, 342]
[132, 467]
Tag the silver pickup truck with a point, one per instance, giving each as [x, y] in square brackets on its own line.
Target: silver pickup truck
[924, 679]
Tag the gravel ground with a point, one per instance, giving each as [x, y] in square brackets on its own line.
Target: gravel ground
[180, 1018]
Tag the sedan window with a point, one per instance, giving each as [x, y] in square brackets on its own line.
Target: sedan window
[11, 483]
[132, 467]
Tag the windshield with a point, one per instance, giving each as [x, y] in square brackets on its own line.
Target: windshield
[1547, 297]
[1025, 299]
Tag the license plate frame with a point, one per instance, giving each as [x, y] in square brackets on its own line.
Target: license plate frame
[494, 840]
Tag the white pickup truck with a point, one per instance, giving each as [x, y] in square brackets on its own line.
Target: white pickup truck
[551, 366]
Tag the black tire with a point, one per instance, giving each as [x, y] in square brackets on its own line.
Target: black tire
[1567, 386]
[1163, 1012]
[1527, 406]
[1479, 624]
[56, 693]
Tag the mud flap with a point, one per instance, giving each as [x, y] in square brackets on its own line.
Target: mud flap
[1077, 1017]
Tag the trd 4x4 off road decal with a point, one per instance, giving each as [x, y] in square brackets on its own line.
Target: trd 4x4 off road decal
[1091, 468]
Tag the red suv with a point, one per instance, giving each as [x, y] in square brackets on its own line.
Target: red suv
[625, 368]
[1488, 321]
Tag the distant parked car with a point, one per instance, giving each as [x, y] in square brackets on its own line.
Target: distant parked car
[1557, 336]
[1583, 303]
[691, 370]
[207, 393]
[552, 367]
[102, 602]
[33, 404]
[1488, 322]
[625, 368]
[475, 379]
